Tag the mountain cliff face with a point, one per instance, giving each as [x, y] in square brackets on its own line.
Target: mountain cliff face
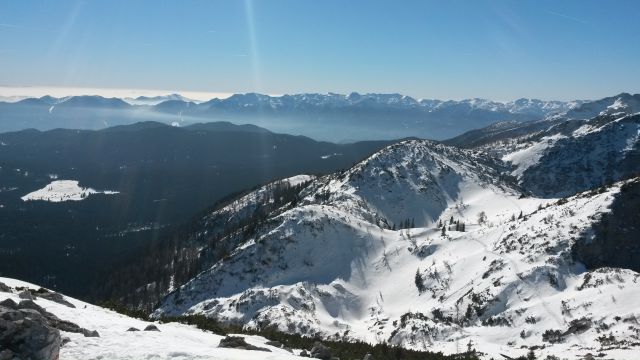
[428, 246]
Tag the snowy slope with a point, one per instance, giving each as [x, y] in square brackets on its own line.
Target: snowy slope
[414, 180]
[332, 266]
[620, 104]
[576, 156]
[173, 341]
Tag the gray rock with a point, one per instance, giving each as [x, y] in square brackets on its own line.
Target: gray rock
[24, 334]
[304, 353]
[4, 287]
[151, 327]
[53, 296]
[25, 294]
[30, 304]
[238, 342]
[319, 351]
[90, 333]
[8, 303]
[133, 329]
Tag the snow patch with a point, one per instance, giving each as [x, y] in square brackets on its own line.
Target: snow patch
[63, 190]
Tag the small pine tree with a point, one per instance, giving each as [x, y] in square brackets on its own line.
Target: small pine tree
[531, 355]
[520, 216]
[419, 282]
[439, 223]
[444, 231]
[413, 223]
[513, 217]
[482, 217]
[451, 220]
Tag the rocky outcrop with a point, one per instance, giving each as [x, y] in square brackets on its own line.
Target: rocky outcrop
[238, 342]
[151, 327]
[26, 334]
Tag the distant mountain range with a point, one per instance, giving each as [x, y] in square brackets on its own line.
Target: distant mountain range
[332, 117]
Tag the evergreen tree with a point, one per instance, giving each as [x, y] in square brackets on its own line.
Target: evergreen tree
[444, 231]
[451, 220]
[418, 281]
[520, 216]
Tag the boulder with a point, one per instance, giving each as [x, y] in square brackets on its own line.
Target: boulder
[90, 333]
[238, 342]
[151, 327]
[4, 287]
[319, 351]
[26, 335]
[25, 294]
[133, 329]
[8, 303]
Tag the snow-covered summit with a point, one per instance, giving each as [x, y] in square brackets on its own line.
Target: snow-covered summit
[413, 180]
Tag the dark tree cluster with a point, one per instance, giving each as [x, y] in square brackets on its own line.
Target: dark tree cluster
[180, 254]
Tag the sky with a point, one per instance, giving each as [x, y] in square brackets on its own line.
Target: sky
[500, 50]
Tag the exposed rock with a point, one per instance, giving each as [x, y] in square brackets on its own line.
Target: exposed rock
[24, 334]
[25, 295]
[319, 351]
[238, 342]
[90, 333]
[151, 327]
[4, 287]
[29, 306]
[8, 303]
[53, 296]
[368, 357]
[133, 329]
[304, 353]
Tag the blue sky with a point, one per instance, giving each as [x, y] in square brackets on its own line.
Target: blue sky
[428, 49]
